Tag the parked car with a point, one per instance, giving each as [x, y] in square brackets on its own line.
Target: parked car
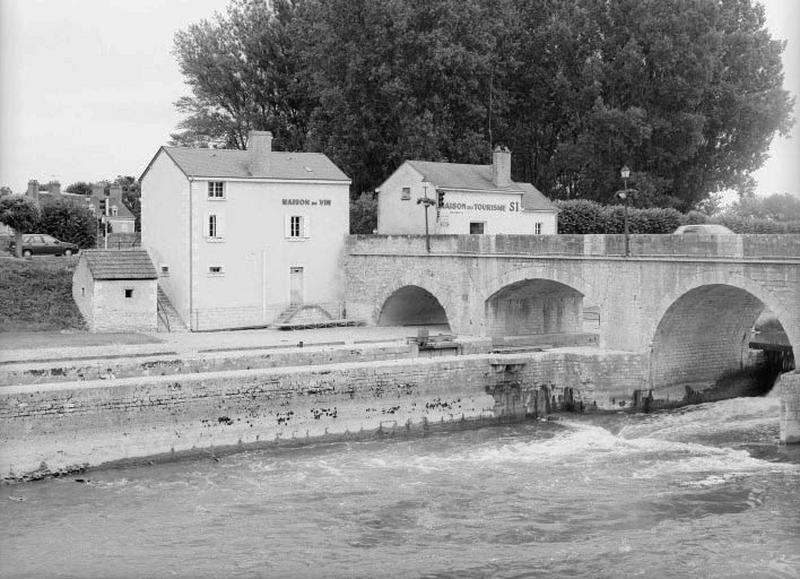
[42, 244]
[703, 229]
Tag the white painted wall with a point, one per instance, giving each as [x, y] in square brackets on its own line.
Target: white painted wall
[502, 213]
[165, 228]
[397, 216]
[256, 255]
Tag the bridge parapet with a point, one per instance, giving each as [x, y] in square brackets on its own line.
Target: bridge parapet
[746, 247]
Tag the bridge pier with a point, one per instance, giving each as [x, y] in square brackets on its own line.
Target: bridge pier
[790, 408]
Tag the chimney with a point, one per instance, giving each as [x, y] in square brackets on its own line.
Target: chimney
[501, 167]
[115, 192]
[99, 191]
[54, 188]
[33, 190]
[259, 146]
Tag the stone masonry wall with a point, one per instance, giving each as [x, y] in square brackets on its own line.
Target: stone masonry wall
[144, 365]
[790, 408]
[113, 312]
[57, 427]
[708, 291]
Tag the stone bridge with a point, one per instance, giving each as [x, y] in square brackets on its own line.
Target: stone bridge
[686, 303]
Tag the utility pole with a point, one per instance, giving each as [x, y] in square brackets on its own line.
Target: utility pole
[427, 202]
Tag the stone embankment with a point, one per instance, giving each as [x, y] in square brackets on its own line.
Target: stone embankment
[58, 416]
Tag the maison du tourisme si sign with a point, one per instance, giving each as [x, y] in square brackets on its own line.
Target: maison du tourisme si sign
[513, 206]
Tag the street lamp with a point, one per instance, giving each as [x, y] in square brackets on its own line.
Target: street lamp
[625, 172]
[427, 202]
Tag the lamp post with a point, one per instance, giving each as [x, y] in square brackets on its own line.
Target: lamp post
[427, 202]
[625, 173]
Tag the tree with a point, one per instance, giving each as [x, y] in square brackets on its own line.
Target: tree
[79, 188]
[364, 214]
[775, 207]
[242, 71]
[69, 221]
[688, 93]
[21, 214]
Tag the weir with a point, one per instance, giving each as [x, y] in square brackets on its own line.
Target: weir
[58, 427]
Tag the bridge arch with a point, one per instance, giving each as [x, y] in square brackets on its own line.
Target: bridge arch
[704, 332]
[411, 305]
[529, 301]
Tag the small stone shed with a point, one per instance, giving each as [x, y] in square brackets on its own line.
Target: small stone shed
[116, 290]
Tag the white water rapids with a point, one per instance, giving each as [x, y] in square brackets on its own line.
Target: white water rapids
[701, 491]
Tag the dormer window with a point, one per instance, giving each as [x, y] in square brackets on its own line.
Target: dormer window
[216, 190]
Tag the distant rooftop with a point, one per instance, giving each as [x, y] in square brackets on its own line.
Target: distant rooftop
[120, 264]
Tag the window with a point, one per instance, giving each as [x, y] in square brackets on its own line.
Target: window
[216, 190]
[476, 227]
[297, 227]
[214, 225]
[406, 194]
[164, 269]
[216, 270]
[128, 293]
[114, 210]
[537, 228]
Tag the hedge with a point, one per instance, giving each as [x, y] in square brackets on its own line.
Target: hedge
[586, 217]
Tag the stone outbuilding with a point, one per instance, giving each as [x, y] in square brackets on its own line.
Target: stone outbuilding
[116, 290]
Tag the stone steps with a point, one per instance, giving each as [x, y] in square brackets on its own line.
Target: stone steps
[168, 318]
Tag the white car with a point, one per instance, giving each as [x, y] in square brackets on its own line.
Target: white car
[703, 229]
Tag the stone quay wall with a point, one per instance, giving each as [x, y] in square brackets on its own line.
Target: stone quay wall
[19, 371]
[61, 427]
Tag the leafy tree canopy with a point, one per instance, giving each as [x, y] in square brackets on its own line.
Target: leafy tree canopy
[775, 207]
[688, 93]
[68, 221]
[21, 214]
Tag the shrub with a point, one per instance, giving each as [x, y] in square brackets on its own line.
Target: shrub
[661, 220]
[750, 224]
[580, 216]
[364, 214]
[70, 222]
[694, 218]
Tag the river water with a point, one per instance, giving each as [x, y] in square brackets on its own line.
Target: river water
[703, 491]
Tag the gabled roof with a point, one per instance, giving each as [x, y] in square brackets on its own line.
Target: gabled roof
[234, 163]
[119, 264]
[464, 177]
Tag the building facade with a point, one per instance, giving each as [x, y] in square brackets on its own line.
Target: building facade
[106, 203]
[477, 199]
[246, 238]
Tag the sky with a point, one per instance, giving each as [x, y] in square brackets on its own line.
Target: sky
[87, 87]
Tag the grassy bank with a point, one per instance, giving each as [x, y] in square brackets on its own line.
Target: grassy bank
[36, 295]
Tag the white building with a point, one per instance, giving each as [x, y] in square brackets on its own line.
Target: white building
[479, 199]
[246, 238]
